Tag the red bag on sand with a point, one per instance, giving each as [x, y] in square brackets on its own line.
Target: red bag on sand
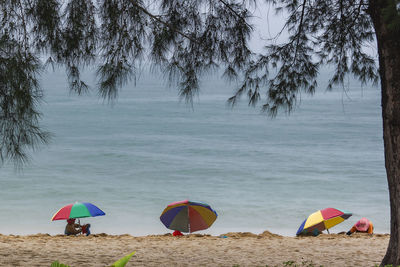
[177, 233]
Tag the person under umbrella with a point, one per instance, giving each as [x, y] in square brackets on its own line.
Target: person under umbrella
[77, 210]
[73, 228]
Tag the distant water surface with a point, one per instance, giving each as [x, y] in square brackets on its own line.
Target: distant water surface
[149, 149]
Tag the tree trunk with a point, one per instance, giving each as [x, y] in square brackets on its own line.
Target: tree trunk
[389, 63]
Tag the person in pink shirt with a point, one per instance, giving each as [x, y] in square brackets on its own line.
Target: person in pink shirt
[363, 225]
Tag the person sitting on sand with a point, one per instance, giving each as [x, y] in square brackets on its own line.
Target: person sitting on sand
[363, 225]
[73, 228]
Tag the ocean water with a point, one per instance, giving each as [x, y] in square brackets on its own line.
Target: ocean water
[149, 149]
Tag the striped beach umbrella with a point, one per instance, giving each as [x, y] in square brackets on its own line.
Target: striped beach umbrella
[187, 216]
[77, 210]
[322, 220]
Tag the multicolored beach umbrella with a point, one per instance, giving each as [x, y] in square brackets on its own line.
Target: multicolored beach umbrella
[77, 210]
[322, 220]
[187, 216]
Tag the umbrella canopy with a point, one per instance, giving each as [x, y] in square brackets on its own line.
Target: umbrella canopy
[77, 210]
[321, 220]
[187, 216]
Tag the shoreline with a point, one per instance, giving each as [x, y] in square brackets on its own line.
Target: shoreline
[235, 248]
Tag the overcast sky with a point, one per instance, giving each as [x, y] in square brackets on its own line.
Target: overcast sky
[266, 25]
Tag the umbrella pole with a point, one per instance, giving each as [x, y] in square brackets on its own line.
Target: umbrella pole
[188, 218]
[328, 231]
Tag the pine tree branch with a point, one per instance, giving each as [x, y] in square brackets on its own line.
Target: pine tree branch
[358, 9]
[300, 28]
[24, 27]
[234, 12]
[163, 22]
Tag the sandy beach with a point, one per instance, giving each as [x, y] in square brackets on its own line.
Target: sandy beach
[235, 249]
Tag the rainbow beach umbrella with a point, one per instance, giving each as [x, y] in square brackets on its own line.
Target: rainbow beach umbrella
[77, 210]
[187, 216]
[322, 220]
